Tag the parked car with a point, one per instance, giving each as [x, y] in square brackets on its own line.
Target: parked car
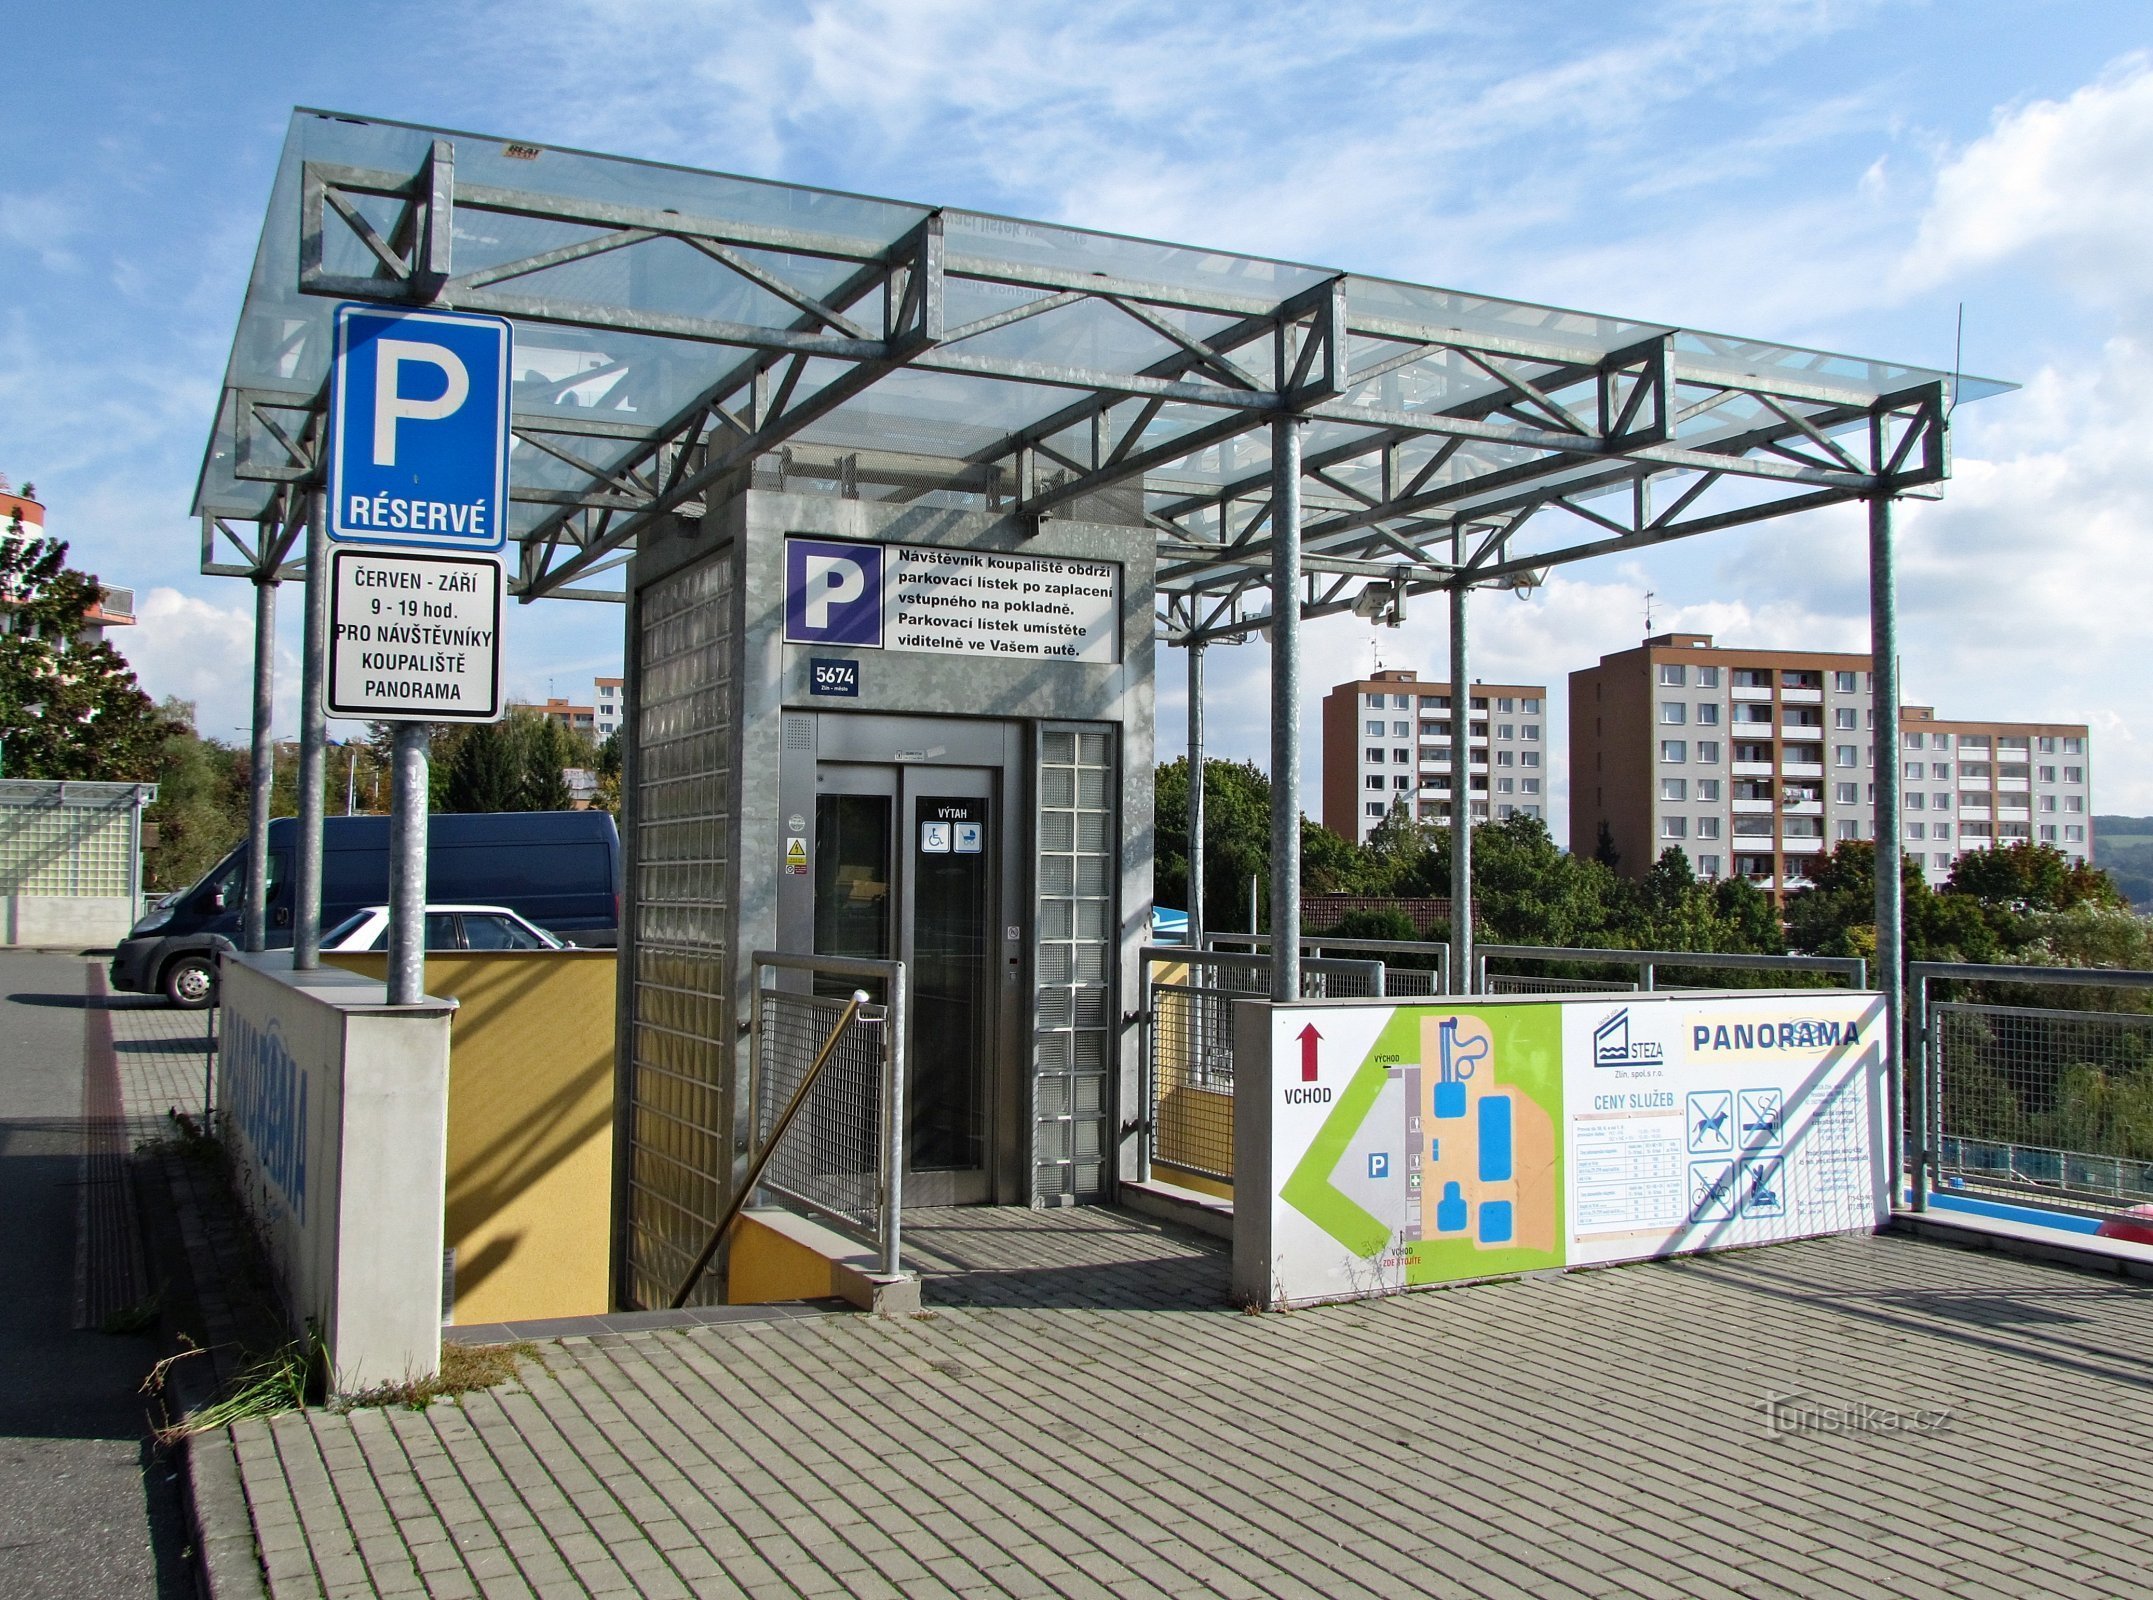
[557, 869]
[447, 928]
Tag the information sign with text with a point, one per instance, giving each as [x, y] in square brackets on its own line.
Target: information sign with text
[414, 637]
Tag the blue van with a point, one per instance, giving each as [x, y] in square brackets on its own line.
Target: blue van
[559, 869]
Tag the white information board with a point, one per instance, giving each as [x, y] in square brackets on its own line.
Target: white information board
[1382, 1147]
[414, 637]
[935, 600]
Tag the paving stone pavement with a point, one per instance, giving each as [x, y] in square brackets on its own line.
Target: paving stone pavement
[1596, 1433]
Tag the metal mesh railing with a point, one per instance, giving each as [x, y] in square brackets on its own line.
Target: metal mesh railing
[1649, 966]
[2043, 1099]
[71, 839]
[1533, 983]
[838, 1156]
[1190, 1055]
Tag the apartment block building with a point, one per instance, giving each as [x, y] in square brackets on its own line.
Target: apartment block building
[1969, 785]
[607, 706]
[1756, 762]
[1387, 738]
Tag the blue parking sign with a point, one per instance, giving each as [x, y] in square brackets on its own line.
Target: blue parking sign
[418, 429]
[833, 593]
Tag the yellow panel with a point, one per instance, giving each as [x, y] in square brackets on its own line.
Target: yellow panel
[530, 1156]
[766, 1267]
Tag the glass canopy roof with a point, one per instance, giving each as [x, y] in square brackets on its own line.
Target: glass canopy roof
[676, 328]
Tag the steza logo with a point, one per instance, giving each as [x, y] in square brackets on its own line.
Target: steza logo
[1612, 1045]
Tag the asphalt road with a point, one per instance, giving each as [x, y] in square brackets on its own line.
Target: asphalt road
[87, 1507]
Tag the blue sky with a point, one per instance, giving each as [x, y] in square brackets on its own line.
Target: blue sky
[1839, 174]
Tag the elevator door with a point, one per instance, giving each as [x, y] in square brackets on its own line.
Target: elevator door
[905, 868]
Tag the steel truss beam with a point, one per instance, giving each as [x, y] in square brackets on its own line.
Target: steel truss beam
[1451, 426]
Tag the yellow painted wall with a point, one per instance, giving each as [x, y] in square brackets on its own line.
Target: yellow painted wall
[530, 1142]
[765, 1267]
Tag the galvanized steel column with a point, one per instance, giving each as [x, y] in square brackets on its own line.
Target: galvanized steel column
[262, 777]
[1286, 708]
[407, 864]
[1461, 798]
[1195, 935]
[1890, 888]
[313, 737]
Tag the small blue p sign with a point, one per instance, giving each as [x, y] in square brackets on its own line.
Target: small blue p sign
[1379, 1164]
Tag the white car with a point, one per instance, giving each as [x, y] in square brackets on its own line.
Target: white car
[447, 928]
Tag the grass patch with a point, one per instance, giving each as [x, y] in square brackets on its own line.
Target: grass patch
[270, 1386]
[465, 1369]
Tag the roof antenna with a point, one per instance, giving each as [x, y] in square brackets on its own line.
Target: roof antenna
[1648, 613]
[1958, 355]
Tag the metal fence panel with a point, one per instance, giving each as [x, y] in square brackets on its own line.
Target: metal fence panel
[70, 839]
[833, 1157]
[2029, 1097]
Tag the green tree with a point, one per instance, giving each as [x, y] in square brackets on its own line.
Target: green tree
[69, 707]
[201, 806]
[485, 769]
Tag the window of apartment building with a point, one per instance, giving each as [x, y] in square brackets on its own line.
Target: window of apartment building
[1939, 741]
[1480, 703]
[1917, 802]
[1846, 830]
[1476, 730]
[2074, 774]
[1843, 717]
[1374, 753]
[2012, 741]
[1530, 706]
[1708, 827]
[1976, 798]
[1401, 730]
[1375, 780]
[2074, 833]
[1674, 750]
[1913, 770]
[1757, 712]
[1674, 827]
[1973, 769]
[1373, 729]
[1973, 741]
[1528, 758]
[1940, 830]
[1376, 701]
[1506, 786]
[1401, 755]
[1435, 702]
[1673, 713]
[1671, 674]
[1401, 702]
[1506, 730]
[2074, 747]
[1708, 751]
[1843, 682]
[1435, 730]
[2046, 744]
[2074, 802]
[1846, 794]
[1941, 801]
[1708, 677]
[1505, 705]
[1974, 830]
[1708, 788]
[1917, 830]
[1843, 755]
[1529, 785]
[1375, 808]
[1802, 827]
[1795, 678]
[1941, 858]
[1506, 758]
[1708, 866]
[1708, 714]
[1938, 770]
[2047, 803]
[2017, 771]
[1674, 789]
[1914, 741]
[1403, 780]
[1752, 827]
[2014, 830]
[1531, 730]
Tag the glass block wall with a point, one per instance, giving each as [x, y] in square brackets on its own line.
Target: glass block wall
[69, 838]
[1073, 1032]
[680, 1050]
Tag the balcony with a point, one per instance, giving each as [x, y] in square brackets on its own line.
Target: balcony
[1801, 697]
[2013, 814]
[1801, 769]
[1980, 813]
[1745, 692]
[1751, 808]
[1803, 808]
[1752, 769]
[1802, 847]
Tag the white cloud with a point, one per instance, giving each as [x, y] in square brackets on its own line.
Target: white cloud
[190, 648]
[2069, 182]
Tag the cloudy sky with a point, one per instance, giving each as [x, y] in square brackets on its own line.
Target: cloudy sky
[1839, 173]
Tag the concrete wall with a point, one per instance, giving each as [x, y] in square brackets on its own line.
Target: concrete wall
[67, 920]
[334, 1107]
[529, 1181]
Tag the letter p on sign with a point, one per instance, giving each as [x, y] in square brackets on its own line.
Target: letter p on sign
[391, 356]
[833, 592]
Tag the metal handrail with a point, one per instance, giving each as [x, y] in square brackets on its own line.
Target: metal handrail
[1646, 961]
[733, 1208]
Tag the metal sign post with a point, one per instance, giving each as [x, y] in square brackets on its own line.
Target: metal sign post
[418, 501]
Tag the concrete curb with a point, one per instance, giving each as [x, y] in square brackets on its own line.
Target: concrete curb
[227, 1566]
[2083, 1251]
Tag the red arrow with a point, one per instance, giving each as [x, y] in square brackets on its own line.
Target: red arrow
[1308, 1037]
